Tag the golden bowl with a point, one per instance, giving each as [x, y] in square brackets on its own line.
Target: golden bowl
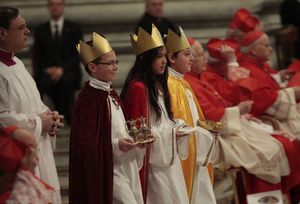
[210, 125]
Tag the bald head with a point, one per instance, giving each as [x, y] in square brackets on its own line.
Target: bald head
[155, 8]
[261, 48]
[199, 64]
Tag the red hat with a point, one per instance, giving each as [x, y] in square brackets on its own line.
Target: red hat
[249, 24]
[251, 37]
[12, 151]
[239, 16]
[232, 25]
[214, 45]
[191, 40]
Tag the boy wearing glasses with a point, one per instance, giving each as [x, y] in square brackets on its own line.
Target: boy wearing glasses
[104, 160]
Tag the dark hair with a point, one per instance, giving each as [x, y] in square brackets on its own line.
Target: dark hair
[7, 15]
[175, 55]
[142, 70]
[95, 61]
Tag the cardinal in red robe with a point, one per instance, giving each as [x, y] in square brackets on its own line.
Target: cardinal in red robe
[263, 95]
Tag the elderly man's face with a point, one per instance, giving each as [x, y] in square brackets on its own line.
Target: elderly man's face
[262, 48]
[199, 64]
[155, 8]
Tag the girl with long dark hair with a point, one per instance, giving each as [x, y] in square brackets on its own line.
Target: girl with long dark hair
[146, 94]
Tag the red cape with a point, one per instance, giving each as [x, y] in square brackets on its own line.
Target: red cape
[91, 157]
[136, 105]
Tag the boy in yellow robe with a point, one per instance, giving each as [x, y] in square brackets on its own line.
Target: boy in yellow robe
[185, 106]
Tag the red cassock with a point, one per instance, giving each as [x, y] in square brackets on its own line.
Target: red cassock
[295, 80]
[136, 105]
[250, 88]
[294, 66]
[91, 160]
[211, 102]
[233, 92]
[213, 106]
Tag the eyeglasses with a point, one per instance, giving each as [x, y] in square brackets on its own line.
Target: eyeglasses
[20, 28]
[109, 63]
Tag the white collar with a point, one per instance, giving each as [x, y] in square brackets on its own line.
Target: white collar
[97, 84]
[174, 73]
[59, 22]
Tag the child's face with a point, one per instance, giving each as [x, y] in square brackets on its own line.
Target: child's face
[159, 63]
[106, 69]
[182, 63]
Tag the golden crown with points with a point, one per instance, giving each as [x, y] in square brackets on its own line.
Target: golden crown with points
[176, 43]
[143, 41]
[100, 46]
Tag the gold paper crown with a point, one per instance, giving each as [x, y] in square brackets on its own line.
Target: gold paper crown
[176, 43]
[89, 53]
[143, 41]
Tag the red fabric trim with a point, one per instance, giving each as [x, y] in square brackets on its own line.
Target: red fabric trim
[8, 130]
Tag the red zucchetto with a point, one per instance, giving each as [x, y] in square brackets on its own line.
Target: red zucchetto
[251, 37]
[214, 46]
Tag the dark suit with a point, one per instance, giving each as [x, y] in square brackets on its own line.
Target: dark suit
[60, 52]
[162, 24]
[289, 13]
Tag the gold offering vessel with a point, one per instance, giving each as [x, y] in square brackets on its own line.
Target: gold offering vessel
[141, 134]
[210, 125]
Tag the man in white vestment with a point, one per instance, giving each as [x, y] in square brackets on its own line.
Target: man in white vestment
[20, 101]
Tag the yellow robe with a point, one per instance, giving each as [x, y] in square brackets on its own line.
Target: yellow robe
[181, 110]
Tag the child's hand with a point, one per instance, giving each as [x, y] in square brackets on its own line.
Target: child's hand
[126, 144]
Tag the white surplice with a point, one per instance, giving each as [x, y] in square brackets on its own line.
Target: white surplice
[202, 187]
[251, 148]
[285, 111]
[166, 180]
[20, 105]
[126, 185]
